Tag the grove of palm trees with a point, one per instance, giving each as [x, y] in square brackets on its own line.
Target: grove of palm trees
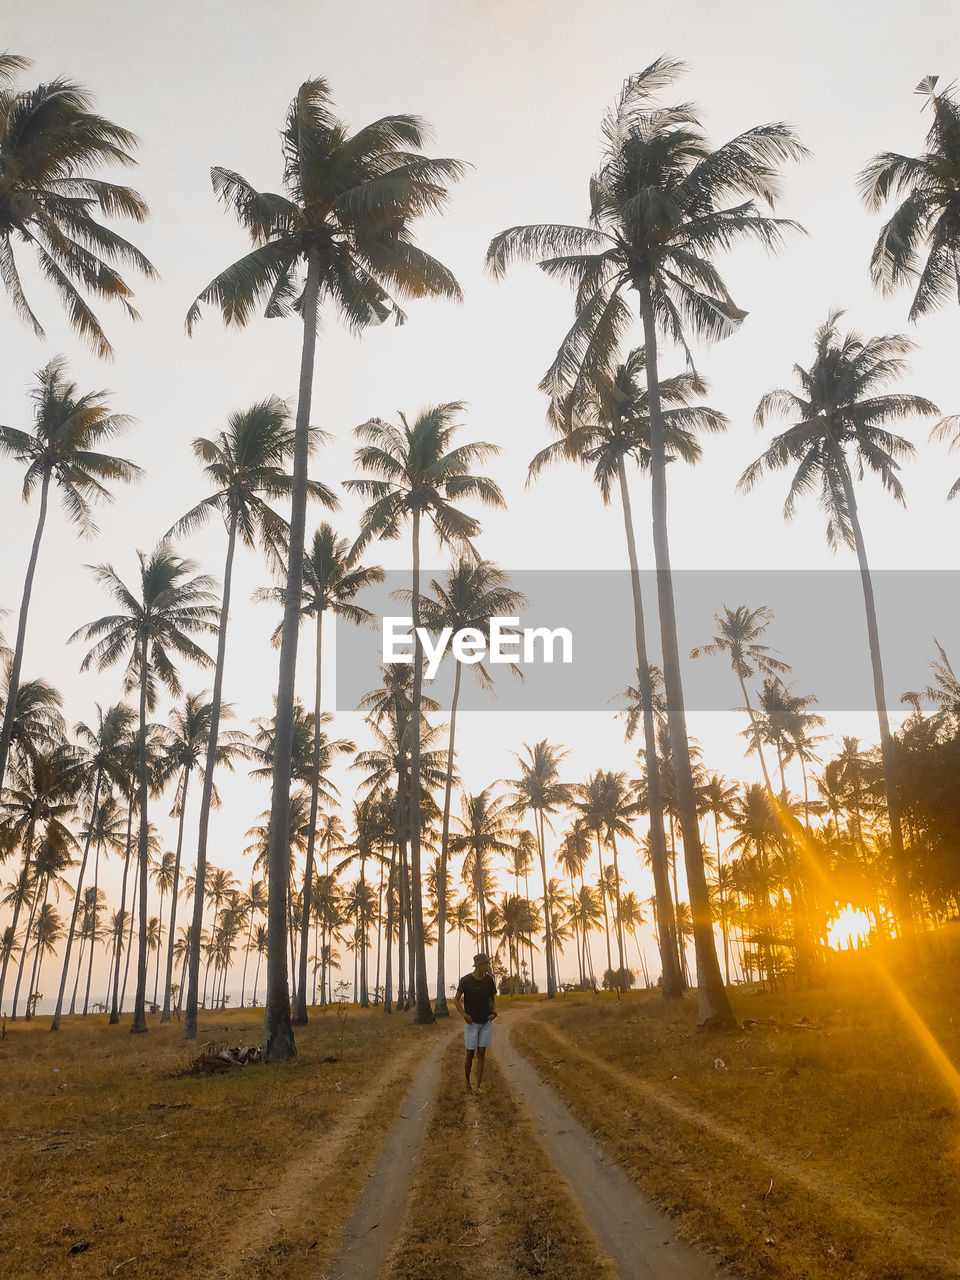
[328, 342]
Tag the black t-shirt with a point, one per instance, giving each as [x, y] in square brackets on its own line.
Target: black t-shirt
[478, 995]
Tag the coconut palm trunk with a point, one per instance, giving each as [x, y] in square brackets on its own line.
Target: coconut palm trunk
[424, 1013]
[547, 907]
[175, 892]
[887, 755]
[278, 1038]
[55, 1024]
[300, 997]
[140, 1000]
[714, 1004]
[440, 1007]
[672, 982]
[118, 949]
[206, 796]
[13, 683]
[93, 931]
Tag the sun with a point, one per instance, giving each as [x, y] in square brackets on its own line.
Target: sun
[849, 929]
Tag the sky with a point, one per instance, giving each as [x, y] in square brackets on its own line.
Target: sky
[518, 90]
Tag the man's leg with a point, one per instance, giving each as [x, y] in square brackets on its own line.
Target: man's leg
[481, 1058]
[468, 1064]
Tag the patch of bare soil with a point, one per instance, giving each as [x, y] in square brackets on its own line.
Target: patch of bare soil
[290, 1231]
[375, 1225]
[487, 1202]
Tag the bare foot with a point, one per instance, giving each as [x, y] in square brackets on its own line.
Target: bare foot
[469, 1087]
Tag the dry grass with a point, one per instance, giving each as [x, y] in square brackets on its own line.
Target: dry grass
[487, 1203]
[819, 1144]
[115, 1162]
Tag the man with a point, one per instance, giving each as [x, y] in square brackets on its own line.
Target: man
[476, 1003]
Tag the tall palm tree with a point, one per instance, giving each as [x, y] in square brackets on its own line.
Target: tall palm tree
[51, 145]
[539, 791]
[346, 218]
[187, 747]
[246, 466]
[717, 796]
[604, 422]
[738, 635]
[38, 723]
[100, 759]
[663, 203]
[61, 450]
[920, 242]
[485, 830]
[414, 472]
[154, 626]
[470, 595]
[839, 420]
[38, 803]
[331, 579]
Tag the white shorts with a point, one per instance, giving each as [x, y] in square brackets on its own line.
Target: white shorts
[478, 1035]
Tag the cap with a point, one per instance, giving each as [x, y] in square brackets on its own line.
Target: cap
[481, 958]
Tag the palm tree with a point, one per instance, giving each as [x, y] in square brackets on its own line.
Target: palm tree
[331, 579]
[539, 791]
[186, 745]
[345, 218]
[61, 450]
[717, 796]
[109, 836]
[50, 142]
[255, 904]
[36, 808]
[662, 204]
[246, 465]
[738, 634]
[928, 220]
[414, 472]
[603, 423]
[485, 830]
[152, 628]
[469, 597]
[100, 758]
[38, 723]
[839, 414]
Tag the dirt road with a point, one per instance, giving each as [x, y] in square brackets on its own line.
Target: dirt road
[631, 1237]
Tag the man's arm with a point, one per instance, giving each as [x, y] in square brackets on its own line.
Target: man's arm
[459, 1003]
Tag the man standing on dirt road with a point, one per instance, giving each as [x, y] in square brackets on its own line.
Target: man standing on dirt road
[476, 1003]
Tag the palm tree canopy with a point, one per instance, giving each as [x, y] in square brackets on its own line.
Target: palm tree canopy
[331, 579]
[538, 789]
[171, 608]
[662, 203]
[928, 219]
[51, 144]
[348, 203]
[605, 417]
[246, 466]
[838, 411]
[38, 724]
[472, 593]
[415, 469]
[68, 427]
[738, 634]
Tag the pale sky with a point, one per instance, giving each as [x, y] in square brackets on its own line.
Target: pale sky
[518, 89]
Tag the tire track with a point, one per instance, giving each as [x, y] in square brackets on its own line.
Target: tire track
[640, 1240]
